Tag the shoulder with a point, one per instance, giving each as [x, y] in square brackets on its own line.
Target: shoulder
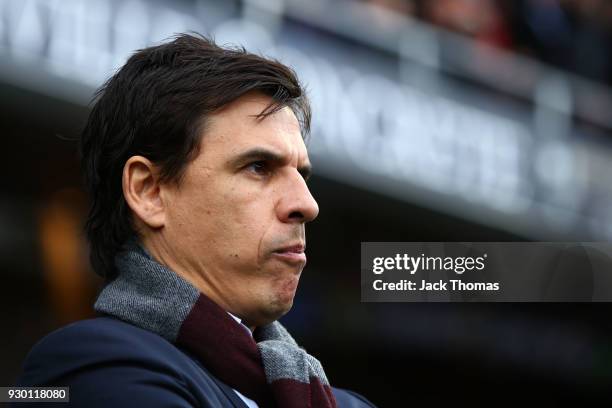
[105, 361]
[350, 399]
[100, 340]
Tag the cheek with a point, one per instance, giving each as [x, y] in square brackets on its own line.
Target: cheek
[235, 234]
[195, 221]
[246, 221]
[232, 221]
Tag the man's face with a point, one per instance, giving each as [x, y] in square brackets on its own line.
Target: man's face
[235, 225]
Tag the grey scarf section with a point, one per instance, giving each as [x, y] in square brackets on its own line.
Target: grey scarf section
[283, 358]
[148, 295]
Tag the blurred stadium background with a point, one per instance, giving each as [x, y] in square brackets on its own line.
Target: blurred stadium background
[434, 120]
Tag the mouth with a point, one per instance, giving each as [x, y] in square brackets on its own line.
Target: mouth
[293, 254]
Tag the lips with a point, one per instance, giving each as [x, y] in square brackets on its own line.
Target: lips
[293, 254]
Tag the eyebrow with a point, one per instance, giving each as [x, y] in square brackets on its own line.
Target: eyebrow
[260, 153]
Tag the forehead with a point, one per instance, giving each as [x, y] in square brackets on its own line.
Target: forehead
[236, 127]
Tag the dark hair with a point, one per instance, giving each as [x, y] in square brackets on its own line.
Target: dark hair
[157, 106]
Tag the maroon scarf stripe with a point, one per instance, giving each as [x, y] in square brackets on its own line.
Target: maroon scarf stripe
[226, 348]
[296, 394]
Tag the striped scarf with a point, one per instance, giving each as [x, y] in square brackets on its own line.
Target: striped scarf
[268, 367]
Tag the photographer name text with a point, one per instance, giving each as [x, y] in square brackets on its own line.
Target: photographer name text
[414, 264]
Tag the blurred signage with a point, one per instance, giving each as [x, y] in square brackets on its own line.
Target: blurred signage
[376, 125]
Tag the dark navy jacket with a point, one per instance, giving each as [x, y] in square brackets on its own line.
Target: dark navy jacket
[110, 363]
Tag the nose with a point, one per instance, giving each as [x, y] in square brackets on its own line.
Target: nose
[297, 205]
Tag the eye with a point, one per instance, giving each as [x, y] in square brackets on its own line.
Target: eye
[259, 167]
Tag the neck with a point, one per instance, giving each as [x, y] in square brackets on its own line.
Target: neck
[158, 250]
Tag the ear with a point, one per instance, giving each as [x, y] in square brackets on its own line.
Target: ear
[141, 190]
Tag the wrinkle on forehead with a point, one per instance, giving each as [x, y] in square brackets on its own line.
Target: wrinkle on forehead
[237, 127]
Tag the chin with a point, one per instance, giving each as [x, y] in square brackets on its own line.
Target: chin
[274, 310]
[279, 302]
[285, 307]
[285, 296]
[271, 313]
[282, 306]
